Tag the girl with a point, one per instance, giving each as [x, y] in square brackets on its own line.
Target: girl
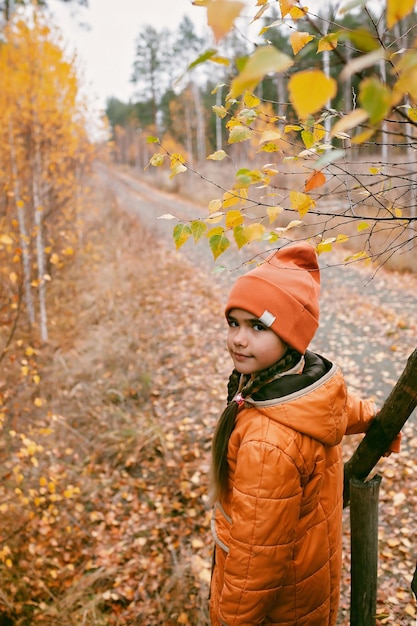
[277, 469]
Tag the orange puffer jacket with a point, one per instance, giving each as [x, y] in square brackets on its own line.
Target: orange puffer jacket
[278, 533]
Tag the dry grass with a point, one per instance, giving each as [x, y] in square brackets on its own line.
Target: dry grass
[91, 475]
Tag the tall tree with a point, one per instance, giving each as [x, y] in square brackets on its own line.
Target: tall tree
[152, 67]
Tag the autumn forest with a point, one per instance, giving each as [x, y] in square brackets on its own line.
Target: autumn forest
[117, 250]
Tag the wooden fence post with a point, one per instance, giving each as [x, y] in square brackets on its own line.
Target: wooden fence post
[395, 412]
[364, 498]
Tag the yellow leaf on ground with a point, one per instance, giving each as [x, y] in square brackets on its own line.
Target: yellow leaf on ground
[310, 90]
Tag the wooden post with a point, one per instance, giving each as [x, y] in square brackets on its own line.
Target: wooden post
[395, 412]
[364, 550]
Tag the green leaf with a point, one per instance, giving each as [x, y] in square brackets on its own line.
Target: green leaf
[240, 236]
[206, 56]
[218, 245]
[180, 234]
[375, 98]
[198, 228]
[265, 59]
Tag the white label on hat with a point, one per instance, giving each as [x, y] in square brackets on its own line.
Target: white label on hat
[267, 318]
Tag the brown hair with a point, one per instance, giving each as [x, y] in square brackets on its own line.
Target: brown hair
[245, 386]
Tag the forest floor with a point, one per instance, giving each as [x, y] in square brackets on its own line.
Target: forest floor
[105, 453]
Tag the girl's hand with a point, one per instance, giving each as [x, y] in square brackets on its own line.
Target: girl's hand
[395, 445]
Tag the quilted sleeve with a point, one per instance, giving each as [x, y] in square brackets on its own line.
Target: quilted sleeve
[264, 510]
[360, 414]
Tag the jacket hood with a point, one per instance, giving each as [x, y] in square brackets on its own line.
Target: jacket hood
[311, 402]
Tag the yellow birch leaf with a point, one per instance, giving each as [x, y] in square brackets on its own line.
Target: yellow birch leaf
[407, 82]
[301, 202]
[273, 212]
[220, 111]
[250, 100]
[254, 232]
[363, 136]
[362, 226]
[234, 218]
[38, 402]
[286, 6]
[290, 127]
[182, 618]
[230, 198]
[324, 246]
[221, 15]
[310, 90]
[270, 135]
[13, 277]
[297, 13]
[214, 206]
[298, 40]
[342, 238]
[239, 133]
[349, 121]
[213, 232]
[270, 146]
[264, 60]
[219, 155]
[397, 9]
[6, 239]
[318, 132]
[329, 42]
[177, 165]
[36, 379]
[157, 160]
[215, 218]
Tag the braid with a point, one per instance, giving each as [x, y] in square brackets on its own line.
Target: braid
[233, 385]
[226, 423]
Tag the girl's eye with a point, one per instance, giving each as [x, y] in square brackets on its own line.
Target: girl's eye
[232, 323]
[258, 326]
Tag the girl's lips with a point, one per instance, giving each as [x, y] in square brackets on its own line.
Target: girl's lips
[240, 357]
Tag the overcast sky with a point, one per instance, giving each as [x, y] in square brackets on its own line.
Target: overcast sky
[106, 48]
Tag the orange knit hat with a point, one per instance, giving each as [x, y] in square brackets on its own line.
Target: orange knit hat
[283, 293]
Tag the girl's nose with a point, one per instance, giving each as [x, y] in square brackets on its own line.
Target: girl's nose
[240, 337]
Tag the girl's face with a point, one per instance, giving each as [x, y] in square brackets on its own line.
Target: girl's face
[252, 346]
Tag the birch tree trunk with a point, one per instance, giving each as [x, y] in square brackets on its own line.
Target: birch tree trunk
[23, 235]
